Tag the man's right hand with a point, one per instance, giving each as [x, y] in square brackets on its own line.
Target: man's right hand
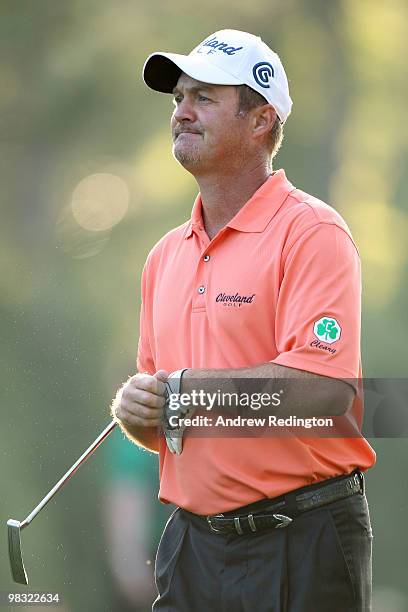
[140, 402]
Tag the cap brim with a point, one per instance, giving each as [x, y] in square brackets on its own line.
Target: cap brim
[162, 71]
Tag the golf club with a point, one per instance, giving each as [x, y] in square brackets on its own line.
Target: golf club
[14, 527]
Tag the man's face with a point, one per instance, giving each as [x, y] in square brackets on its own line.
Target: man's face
[206, 129]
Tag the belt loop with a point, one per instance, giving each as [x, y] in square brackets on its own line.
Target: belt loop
[362, 481]
[291, 507]
[251, 522]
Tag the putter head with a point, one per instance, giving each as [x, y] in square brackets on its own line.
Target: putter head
[16, 558]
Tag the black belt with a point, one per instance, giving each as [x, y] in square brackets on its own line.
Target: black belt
[268, 513]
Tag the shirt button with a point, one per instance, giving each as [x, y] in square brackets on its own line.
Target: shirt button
[201, 289]
[206, 258]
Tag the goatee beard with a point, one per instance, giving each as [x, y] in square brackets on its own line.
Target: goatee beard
[187, 158]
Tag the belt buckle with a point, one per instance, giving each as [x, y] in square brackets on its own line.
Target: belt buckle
[281, 519]
[214, 529]
[282, 522]
[237, 523]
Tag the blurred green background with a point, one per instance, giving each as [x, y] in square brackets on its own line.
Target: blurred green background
[88, 185]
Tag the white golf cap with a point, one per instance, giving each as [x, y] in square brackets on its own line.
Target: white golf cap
[227, 57]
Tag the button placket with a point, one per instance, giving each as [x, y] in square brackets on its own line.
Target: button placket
[202, 288]
[199, 290]
[203, 272]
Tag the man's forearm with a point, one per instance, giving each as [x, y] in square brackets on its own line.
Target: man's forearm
[146, 437]
[302, 393]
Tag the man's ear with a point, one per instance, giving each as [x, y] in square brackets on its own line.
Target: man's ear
[263, 119]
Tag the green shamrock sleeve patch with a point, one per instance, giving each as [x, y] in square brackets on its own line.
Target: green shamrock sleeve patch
[327, 329]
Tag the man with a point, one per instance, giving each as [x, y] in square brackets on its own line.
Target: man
[263, 283]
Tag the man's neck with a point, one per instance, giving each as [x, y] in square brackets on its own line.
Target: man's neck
[222, 196]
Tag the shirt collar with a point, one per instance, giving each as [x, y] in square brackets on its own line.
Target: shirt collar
[196, 220]
[255, 215]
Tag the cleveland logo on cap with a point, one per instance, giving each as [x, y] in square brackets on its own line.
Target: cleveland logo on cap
[220, 46]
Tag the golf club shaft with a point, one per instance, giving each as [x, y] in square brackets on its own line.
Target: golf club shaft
[70, 472]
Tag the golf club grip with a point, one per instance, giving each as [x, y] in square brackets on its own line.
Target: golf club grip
[70, 473]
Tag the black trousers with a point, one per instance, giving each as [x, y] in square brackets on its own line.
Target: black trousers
[321, 562]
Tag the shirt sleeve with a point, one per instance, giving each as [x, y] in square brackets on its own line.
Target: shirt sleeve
[145, 360]
[318, 316]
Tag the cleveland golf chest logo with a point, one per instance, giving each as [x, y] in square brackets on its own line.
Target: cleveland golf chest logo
[327, 330]
[263, 72]
[219, 46]
[236, 300]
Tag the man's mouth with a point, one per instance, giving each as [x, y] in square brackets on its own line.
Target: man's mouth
[188, 132]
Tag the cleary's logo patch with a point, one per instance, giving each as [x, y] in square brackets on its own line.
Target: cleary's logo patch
[327, 329]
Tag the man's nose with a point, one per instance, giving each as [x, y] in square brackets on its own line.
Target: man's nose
[184, 111]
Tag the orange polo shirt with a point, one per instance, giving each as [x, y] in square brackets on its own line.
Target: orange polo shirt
[295, 256]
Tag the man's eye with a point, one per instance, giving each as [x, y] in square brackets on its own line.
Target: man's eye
[203, 98]
[176, 99]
